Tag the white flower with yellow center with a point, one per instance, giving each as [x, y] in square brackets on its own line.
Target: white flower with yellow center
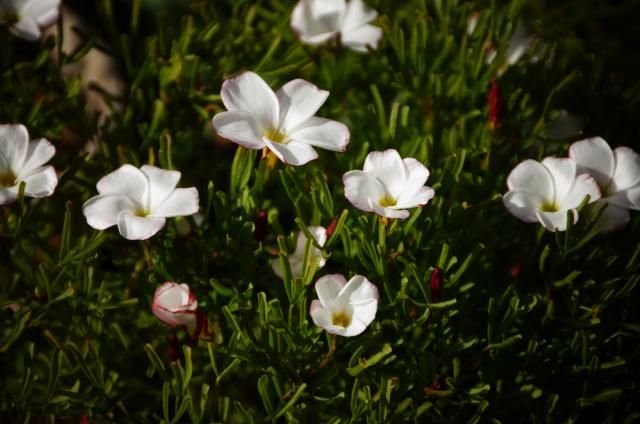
[344, 308]
[296, 259]
[21, 161]
[138, 201]
[545, 191]
[283, 122]
[388, 185]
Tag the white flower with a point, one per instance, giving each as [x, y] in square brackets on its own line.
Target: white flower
[22, 160]
[26, 17]
[296, 259]
[617, 173]
[344, 308]
[545, 191]
[138, 201]
[283, 122]
[518, 44]
[388, 185]
[317, 21]
[174, 304]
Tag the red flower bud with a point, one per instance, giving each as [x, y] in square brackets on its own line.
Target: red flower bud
[435, 284]
[332, 227]
[495, 106]
[437, 383]
[260, 231]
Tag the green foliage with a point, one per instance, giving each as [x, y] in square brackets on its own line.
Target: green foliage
[531, 326]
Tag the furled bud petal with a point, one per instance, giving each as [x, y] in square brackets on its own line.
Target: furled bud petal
[332, 227]
[260, 231]
[175, 305]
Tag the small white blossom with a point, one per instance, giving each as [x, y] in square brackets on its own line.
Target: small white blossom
[138, 201]
[544, 191]
[296, 259]
[283, 122]
[22, 160]
[617, 173]
[26, 17]
[344, 308]
[388, 185]
[317, 21]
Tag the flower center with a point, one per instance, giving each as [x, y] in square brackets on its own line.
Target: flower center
[341, 319]
[387, 201]
[141, 213]
[7, 179]
[276, 136]
[550, 207]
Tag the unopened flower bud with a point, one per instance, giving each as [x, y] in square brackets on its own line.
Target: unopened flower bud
[435, 284]
[495, 106]
[332, 227]
[260, 231]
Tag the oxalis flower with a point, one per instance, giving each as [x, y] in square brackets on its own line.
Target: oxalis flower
[344, 308]
[317, 21]
[138, 201]
[296, 259]
[22, 160]
[26, 17]
[388, 185]
[283, 122]
[175, 305]
[544, 192]
[617, 173]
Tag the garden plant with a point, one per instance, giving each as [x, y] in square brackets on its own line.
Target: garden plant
[323, 211]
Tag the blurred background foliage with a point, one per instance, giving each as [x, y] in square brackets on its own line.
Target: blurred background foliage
[528, 327]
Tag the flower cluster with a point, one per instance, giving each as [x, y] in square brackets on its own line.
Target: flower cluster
[550, 191]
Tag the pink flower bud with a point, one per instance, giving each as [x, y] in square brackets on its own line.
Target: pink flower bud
[435, 284]
[260, 231]
[332, 227]
[495, 106]
[174, 304]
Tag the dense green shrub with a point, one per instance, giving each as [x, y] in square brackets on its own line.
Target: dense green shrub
[528, 326]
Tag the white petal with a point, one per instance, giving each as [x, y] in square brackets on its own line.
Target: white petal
[389, 168]
[102, 211]
[594, 157]
[328, 288]
[414, 192]
[249, 93]
[358, 290]
[128, 181]
[299, 100]
[45, 12]
[27, 28]
[363, 315]
[627, 169]
[523, 204]
[360, 187]
[584, 186]
[41, 182]
[134, 227]
[292, 153]
[533, 177]
[357, 15]
[323, 133]
[14, 142]
[320, 315]
[613, 218]
[629, 198]
[555, 221]
[318, 233]
[277, 268]
[519, 43]
[8, 195]
[240, 127]
[38, 153]
[389, 212]
[182, 202]
[358, 39]
[162, 183]
[563, 173]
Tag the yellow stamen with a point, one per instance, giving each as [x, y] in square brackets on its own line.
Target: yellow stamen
[550, 207]
[341, 319]
[387, 201]
[7, 179]
[276, 136]
[141, 213]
